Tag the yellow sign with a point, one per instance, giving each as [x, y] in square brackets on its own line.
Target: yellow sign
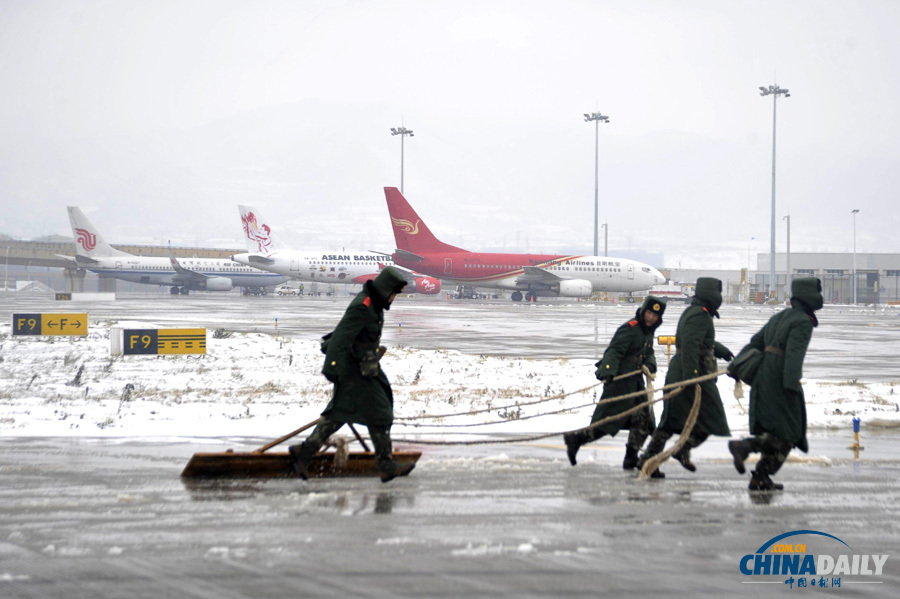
[50, 324]
[182, 341]
[164, 341]
[666, 339]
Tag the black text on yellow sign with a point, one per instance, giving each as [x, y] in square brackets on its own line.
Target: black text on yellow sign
[164, 341]
[50, 324]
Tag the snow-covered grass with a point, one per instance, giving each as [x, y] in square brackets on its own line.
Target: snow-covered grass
[260, 385]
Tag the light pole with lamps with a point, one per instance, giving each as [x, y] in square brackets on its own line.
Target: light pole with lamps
[605, 239]
[402, 132]
[774, 91]
[6, 277]
[597, 118]
[787, 270]
[853, 269]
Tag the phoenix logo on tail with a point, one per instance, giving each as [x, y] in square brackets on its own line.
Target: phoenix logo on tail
[260, 234]
[87, 239]
[406, 226]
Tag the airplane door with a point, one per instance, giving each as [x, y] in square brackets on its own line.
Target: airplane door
[118, 265]
[631, 272]
[295, 265]
[448, 266]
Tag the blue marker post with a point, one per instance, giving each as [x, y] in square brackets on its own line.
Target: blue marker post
[856, 446]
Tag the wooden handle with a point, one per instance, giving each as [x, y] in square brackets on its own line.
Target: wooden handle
[272, 444]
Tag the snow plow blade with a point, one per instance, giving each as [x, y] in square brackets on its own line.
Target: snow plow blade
[278, 465]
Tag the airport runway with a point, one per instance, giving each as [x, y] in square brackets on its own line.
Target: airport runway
[850, 343]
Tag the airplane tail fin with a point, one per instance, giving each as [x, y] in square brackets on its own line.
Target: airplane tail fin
[88, 241]
[411, 234]
[258, 232]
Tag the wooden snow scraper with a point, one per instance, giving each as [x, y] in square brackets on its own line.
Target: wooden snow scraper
[260, 464]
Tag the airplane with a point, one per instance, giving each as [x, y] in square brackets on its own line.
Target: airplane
[268, 252]
[528, 276]
[93, 253]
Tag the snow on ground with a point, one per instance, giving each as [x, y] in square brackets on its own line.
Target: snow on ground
[261, 385]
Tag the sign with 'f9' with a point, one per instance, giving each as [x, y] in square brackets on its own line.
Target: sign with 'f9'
[50, 324]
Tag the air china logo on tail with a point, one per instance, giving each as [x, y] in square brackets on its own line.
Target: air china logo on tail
[406, 226]
[256, 232]
[87, 239]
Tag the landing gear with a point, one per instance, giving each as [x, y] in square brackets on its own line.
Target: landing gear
[516, 296]
[184, 291]
[630, 299]
[174, 290]
[530, 297]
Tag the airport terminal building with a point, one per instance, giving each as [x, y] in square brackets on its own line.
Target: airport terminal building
[877, 277]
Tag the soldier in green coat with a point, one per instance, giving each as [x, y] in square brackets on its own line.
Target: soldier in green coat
[362, 393]
[777, 404]
[696, 350]
[631, 347]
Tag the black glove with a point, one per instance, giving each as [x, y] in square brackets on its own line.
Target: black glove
[728, 357]
[651, 368]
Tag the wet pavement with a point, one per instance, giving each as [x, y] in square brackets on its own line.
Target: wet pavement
[106, 518]
[82, 517]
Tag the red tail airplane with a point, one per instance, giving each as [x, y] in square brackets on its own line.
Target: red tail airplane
[526, 275]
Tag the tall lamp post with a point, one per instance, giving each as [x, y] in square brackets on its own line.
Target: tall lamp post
[774, 91]
[597, 118]
[787, 271]
[6, 277]
[605, 239]
[402, 132]
[853, 269]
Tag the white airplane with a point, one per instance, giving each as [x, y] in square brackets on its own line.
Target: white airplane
[268, 252]
[93, 253]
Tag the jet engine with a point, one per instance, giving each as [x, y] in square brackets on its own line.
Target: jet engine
[427, 285]
[573, 288]
[216, 284]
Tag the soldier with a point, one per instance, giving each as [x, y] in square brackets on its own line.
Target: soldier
[777, 404]
[696, 350]
[630, 348]
[362, 393]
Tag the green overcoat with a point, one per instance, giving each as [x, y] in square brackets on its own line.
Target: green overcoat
[358, 399]
[695, 351]
[777, 403]
[630, 348]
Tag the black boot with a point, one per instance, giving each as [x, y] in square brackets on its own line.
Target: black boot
[575, 440]
[301, 456]
[740, 450]
[683, 457]
[760, 481]
[573, 444]
[392, 470]
[631, 459]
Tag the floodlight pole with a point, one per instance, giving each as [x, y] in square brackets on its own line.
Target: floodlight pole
[787, 271]
[402, 132]
[596, 117]
[853, 269]
[774, 91]
[605, 239]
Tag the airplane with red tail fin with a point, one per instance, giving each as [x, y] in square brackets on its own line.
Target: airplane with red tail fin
[528, 276]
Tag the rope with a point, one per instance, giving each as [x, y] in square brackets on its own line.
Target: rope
[674, 388]
[653, 463]
[516, 405]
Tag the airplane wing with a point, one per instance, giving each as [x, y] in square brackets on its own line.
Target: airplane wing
[409, 255]
[77, 259]
[185, 273]
[534, 275]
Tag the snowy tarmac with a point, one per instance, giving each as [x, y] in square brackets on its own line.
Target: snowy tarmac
[91, 516]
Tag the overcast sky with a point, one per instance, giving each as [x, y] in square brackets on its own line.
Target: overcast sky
[158, 118]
